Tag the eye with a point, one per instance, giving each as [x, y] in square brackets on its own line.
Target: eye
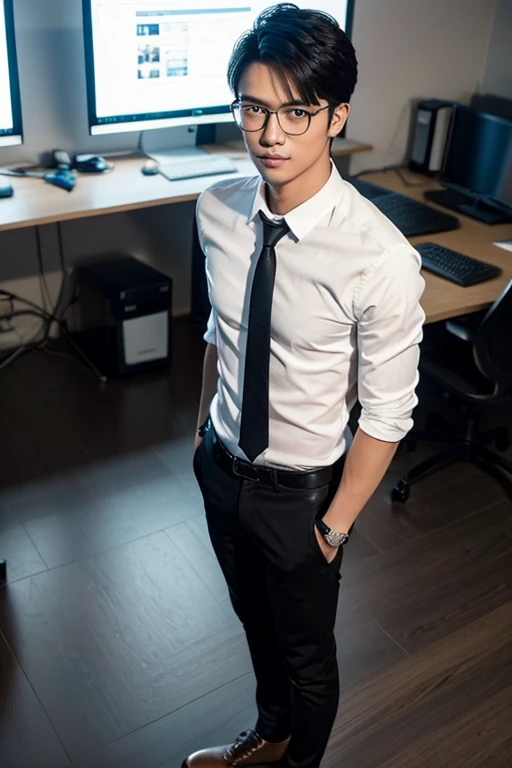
[297, 114]
[252, 109]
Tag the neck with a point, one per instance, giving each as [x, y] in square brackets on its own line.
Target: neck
[284, 198]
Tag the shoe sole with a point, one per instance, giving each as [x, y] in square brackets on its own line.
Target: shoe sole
[254, 765]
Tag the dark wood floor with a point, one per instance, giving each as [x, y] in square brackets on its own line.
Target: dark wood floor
[118, 646]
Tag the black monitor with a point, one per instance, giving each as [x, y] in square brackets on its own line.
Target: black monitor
[162, 63]
[477, 167]
[11, 131]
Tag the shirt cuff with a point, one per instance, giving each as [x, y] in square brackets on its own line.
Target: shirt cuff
[386, 430]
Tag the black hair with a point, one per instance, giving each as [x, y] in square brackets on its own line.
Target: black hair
[305, 48]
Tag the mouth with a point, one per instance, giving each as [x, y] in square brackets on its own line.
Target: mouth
[272, 161]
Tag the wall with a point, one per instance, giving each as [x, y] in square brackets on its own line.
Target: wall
[497, 79]
[412, 49]
[406, 49]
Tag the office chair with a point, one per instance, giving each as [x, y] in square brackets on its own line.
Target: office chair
[477, 368]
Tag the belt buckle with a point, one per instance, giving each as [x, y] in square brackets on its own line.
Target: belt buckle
[245, 475]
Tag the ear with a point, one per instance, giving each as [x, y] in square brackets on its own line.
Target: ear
[339, 118]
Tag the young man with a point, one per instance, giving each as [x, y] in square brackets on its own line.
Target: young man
[315, 304]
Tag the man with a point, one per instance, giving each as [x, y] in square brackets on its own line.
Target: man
[315, 304]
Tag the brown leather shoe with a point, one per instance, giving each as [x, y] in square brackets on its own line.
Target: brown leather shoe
[247, 749]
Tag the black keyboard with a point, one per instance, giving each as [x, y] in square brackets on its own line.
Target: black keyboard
[410, 216]
[454, 266]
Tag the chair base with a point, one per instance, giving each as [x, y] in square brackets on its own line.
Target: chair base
[470, 447]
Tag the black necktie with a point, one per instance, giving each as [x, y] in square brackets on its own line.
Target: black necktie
[254, 419]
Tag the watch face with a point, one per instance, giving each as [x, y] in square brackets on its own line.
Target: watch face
[336, 539]
[333, 538]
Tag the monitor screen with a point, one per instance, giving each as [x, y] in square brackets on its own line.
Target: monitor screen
[10, 107]
[163, 63]
[479, 154]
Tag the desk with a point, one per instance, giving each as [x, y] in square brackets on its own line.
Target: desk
[123, 189]
[443, 299]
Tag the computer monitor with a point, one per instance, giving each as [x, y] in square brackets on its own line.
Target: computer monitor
[162, 63]
[11, 131]
[477, 167]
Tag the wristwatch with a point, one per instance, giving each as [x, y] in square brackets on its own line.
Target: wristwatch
[203, 429]
[333, 538]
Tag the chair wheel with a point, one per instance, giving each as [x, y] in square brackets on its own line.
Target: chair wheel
[502, 444]
[3, 570]
[400, 492]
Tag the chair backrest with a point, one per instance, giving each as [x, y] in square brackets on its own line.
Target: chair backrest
[492, 345]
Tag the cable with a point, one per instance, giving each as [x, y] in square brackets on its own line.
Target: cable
[41, 344]
[47, 318]
[21, 350]
[42, 277]
[61, 248]
[64, 272]
[408, 183]
[397, 131]
[29, 303]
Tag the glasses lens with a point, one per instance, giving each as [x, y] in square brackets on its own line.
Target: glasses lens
[294, 121]
[249, 117]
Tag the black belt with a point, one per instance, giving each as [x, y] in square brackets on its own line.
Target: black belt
[269, 476]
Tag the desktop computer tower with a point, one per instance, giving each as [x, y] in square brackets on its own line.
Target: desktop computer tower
[430, 134]
[124, 316]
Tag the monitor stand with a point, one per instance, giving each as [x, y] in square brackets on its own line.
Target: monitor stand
[470, 205]
[166, 156]
[179, 143]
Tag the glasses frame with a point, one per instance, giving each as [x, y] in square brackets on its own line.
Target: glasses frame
[237, 104]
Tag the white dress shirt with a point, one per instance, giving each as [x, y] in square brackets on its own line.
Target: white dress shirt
[346, 319]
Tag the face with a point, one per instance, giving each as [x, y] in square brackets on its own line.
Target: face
[284, 160]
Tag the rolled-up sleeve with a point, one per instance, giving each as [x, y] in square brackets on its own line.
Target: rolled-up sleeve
[389, 330]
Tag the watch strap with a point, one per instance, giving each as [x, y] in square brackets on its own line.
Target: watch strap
[333, 538]
[203, 429]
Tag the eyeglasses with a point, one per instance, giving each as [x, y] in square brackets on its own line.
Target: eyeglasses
[292, 120]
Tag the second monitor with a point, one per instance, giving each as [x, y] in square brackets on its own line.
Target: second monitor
[11, 132]
[477, 168]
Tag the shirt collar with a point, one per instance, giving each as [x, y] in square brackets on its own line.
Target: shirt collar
[304, 218]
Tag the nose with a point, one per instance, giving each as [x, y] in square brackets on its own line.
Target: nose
[272, 133]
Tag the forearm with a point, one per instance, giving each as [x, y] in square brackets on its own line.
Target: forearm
[210, 378]
[365, 466]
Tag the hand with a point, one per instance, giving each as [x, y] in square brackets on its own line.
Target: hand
[328, 551]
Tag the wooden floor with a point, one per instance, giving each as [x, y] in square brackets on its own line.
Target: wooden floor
[118, 646]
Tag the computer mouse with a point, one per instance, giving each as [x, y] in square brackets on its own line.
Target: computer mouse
[6, 190]
[150, 168]
[91, 164]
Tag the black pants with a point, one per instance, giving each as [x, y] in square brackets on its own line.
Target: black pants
[285, 594]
